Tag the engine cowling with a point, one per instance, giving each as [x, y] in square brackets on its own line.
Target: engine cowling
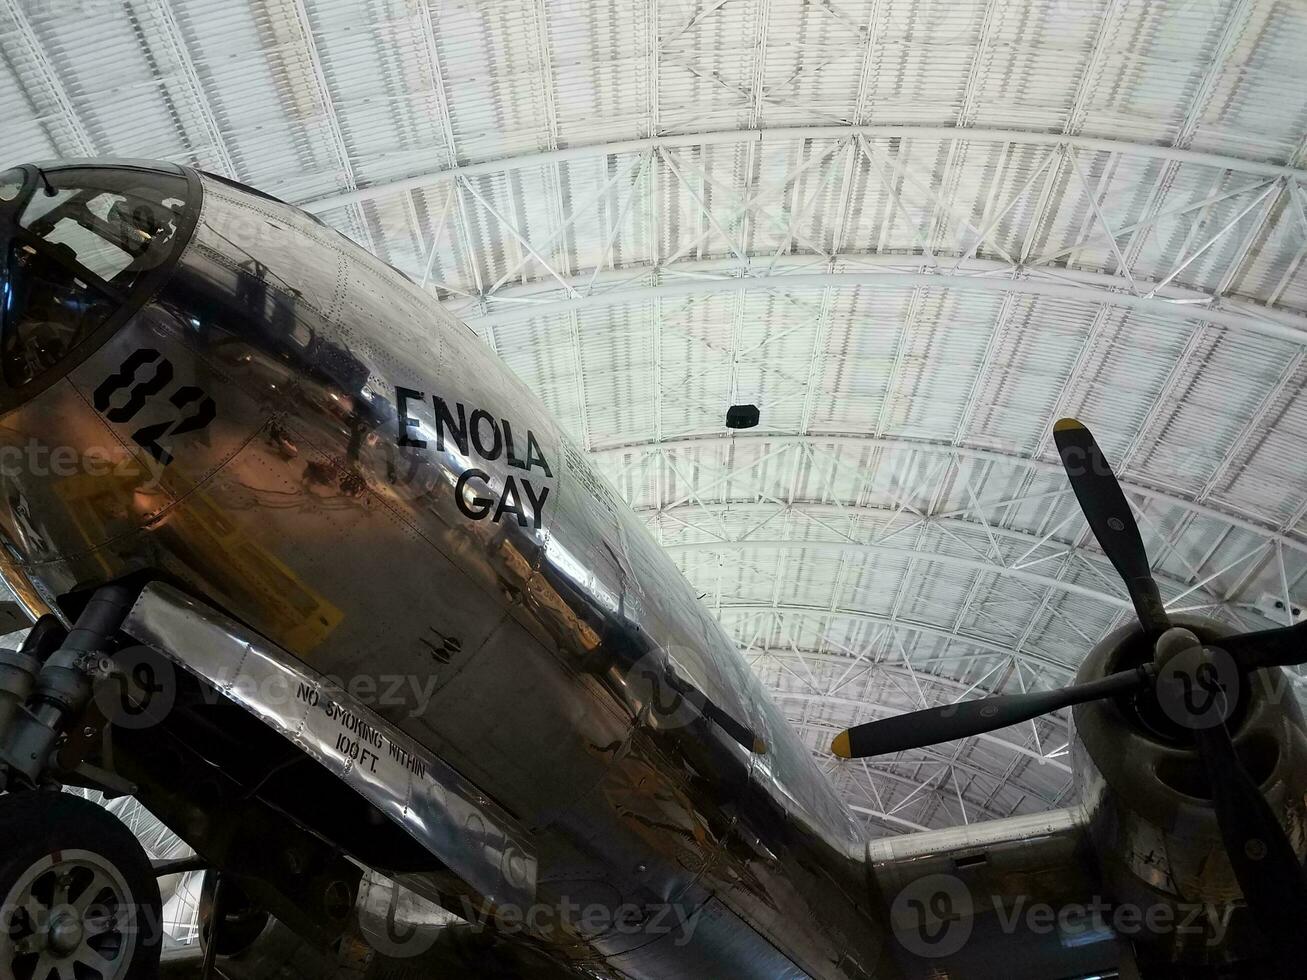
[1147, 798]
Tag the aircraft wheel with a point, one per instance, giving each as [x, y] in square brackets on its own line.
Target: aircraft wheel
[79, 898]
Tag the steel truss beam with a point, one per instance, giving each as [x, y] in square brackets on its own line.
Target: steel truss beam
[849, 547]
[928, 757]
[866, 443]
[644, 284]
[793, 133]
[1031, 542]
[83, 143]
[937, 789]
[1042, 275]
[996, 647]
[866, 788]
[867, 710]
[887, 817]
[951, 763]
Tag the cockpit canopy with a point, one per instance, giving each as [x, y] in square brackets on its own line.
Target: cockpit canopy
[82, 248]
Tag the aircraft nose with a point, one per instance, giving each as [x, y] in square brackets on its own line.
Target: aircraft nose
[82, 247]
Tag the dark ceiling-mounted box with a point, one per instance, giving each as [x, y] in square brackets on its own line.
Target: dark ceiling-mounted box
[742, 416]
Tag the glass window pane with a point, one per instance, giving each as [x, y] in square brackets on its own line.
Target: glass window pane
[50, 312]
[86, 246]
[11, 184]
[42, 204]
[117, 232]
[103, 258]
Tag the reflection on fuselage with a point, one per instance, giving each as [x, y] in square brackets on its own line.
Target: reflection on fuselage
[376, 493]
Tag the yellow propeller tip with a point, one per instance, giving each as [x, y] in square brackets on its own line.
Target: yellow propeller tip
[759, 747]
[841, 746]
[1062, 425]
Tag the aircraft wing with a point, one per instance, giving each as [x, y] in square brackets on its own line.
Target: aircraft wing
[1015, 897]
[979, 900]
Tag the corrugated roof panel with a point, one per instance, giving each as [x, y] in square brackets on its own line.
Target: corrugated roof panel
[910, 306]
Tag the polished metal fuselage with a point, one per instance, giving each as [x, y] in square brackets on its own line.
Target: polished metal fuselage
[380, 496]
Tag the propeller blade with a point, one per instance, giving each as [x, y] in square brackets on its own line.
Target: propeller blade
[1261, 856]
[740, 732]
[1283, 647]
[710, 709]
[1110, 518]
[947, 722]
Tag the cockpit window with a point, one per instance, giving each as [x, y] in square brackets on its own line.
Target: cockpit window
[76, 244]
[11, 185]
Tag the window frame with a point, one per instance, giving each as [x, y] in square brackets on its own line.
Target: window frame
[131, 301]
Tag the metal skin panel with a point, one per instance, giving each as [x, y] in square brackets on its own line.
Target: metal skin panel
[550, 653]
[297, 438]
[440, 809]
[39, 518]
[1003, 867]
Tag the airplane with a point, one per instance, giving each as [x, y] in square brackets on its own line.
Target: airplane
[319, 581]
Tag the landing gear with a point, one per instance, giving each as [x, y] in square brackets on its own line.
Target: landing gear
[78, 898]
[240, 921]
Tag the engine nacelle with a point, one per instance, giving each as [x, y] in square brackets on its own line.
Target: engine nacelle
[1146, 794]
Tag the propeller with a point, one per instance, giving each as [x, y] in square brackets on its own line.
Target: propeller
[1261, 856]
[1111, 520]
[1283, 647]
[965, 718]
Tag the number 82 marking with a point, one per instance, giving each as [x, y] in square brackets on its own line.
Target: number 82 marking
[140, 392]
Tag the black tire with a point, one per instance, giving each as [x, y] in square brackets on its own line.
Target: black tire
[46, 837]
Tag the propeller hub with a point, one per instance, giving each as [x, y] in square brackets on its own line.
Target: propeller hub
[1199, 688]
[1148, 788]
[1196, 685]
[1172, 643]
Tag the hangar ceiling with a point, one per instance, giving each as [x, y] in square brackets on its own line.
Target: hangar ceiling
[913, 233]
